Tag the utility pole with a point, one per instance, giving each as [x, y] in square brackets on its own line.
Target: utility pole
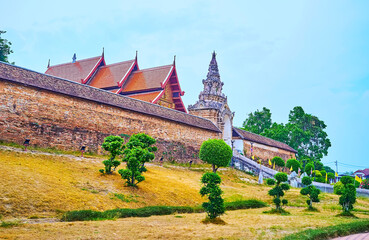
[336, 169]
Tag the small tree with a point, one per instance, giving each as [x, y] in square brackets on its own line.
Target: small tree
[278, 191]
[216, 152]
[114, 145]
[330, 176]
[294, 164]
[137, 151]
[348, 197]
[215, 206]
[311, 191]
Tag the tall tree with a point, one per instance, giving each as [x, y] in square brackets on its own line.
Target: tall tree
[4, 48]
[307, 134]
[258, 121]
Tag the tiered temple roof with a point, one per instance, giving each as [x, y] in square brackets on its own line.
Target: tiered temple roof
[157, 85]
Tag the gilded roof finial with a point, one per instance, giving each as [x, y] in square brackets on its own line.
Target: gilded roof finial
[48, 64]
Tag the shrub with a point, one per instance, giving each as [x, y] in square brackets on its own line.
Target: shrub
[294, 164]
[278, 191]
[216, 152]
[88, 215]
[331, 231]
[309, 168]
[114, 145]
[348, 196]
[278, 161]
[215, 206]
[311, 191]
[365, 184]
[338, 188]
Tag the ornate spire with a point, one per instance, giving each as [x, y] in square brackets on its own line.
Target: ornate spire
[174, 60]
[48, 64]
[213, 73]
[102, 55]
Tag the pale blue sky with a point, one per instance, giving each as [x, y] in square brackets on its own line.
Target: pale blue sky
[277, 54]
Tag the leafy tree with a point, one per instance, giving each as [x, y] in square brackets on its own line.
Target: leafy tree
[308, 134]
[258, 121]
[277, 132]
[328, 169]
[294, 164]
[216, 152]
[348, 196]
[215, 206]
[303, 132]
[4, 48]
[137, 151]
[278, 191]
[278, 161]
[114, 145]
[311, 191]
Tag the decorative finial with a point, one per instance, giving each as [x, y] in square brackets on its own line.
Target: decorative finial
[174, 60]
[102, 55]
[136, 56]
[214, 54]
[48, 64]
[74, 58]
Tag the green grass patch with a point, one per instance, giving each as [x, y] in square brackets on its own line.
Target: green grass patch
[331, 231]
[9, 224]
[90, 215]
[124, 198]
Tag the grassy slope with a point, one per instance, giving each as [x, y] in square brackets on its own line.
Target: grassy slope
[39, 185]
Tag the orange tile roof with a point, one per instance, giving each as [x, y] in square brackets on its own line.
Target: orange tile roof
[145, 79]
[110, 75]
[147, 97]
[76, 72]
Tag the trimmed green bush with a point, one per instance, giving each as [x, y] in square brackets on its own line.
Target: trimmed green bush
[311, 191]
[294, 164]
[215, 206]
[331, 231]
[348, 196]
[216, 152]
[309, 168]
[114, 145]
[278, 191]
[278, 161]
[90, 215]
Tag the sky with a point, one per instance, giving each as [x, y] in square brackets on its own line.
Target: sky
[274, 54]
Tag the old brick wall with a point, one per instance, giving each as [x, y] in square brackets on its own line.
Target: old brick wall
[55, 120]
[266, 152]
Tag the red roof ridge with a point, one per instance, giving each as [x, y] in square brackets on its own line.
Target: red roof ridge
[154, 68]
[82, 60]
[118, 63]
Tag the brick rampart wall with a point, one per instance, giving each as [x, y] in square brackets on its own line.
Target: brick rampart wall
[266, 152]
[55, 120]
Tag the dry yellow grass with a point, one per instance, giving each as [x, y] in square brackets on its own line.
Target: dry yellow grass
[241, 224]
[40, 185]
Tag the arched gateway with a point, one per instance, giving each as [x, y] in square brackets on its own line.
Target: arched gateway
[212, 103]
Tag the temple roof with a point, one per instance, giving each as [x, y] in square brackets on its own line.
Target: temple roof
[70, 88]
[146, 79]
[110, 75]
[245, 135]
[147, 96]
[79, 71]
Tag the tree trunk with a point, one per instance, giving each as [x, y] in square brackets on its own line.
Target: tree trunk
[214, 169]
